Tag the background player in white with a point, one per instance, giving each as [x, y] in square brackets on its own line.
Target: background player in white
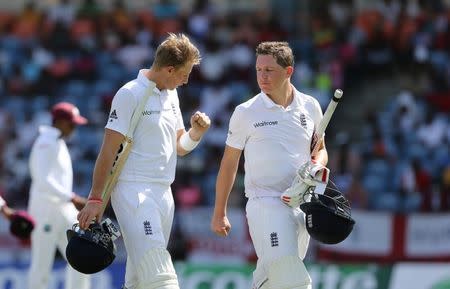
[274, 129]
[52, 203]
[142, 199]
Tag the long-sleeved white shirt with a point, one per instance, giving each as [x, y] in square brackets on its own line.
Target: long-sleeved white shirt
[50, 166]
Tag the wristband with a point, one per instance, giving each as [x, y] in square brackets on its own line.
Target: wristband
[187, 143]
[95, 200]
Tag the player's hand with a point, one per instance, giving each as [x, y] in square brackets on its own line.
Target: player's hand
[91, 212]
[220, 225]
[200, 123]
[78, 201]
[7, 211]
[310, 176]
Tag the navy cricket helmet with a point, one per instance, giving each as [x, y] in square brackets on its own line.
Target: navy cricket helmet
[328, 216]
[90, 251]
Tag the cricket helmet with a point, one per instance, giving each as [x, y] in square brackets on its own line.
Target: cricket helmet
[328, 216]
[90, 251]
[21, 224]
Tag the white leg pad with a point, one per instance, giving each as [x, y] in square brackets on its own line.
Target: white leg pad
[288, 273]
[156, 271]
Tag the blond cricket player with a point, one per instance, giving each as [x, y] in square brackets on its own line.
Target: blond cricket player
[274, 129]
[142, 199]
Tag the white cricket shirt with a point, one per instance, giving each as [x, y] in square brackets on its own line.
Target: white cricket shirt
[153, 156]
[2, 202]
[275, 140]
[50, 166]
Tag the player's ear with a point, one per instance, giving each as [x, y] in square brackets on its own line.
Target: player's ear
[289, 71]
[170, 69]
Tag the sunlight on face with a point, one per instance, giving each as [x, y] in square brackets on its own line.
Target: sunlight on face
[270, 75]
[180, 76]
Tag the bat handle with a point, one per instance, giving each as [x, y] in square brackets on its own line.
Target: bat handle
[337, 95]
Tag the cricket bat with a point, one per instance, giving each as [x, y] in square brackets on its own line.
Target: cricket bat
[320, 130]
[124, 150]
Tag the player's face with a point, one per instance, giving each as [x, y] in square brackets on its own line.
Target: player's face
[179, 76]
[270, 75]
[67, 128]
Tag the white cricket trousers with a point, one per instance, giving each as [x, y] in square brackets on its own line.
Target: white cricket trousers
[145, 214]
[53, 218]
[276, 231]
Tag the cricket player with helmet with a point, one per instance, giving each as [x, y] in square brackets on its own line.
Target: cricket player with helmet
[142, 198]
[52, 202]
[274, 129]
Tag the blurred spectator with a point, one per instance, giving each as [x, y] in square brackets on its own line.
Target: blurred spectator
[120, 16]
[431, 132]
[188, 196]
[344, 161]
[214, 98]
[62, 12]
[30, 13]
[214, 61]
[341, 12]
[357, 194]
[423, 185]
[408, 195]
[165, 9]
[88, 9]
[133, 54]
[199, 22]
[390, 9]
[445, 190]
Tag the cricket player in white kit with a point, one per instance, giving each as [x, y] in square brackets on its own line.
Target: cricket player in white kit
[142, 199]
[52, 203]
[274, 129]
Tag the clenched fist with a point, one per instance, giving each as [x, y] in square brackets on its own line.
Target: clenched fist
[220, 225]
[200, 123]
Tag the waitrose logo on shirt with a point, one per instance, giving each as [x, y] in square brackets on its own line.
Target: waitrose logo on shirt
[265, 123]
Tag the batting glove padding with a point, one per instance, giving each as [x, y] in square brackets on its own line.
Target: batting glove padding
[21, 225]
[310, 176]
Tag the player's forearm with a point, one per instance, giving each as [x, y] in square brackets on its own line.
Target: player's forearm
[102, 169]
[112, 141]
[224, 184]
[321, 157]
[190, 141]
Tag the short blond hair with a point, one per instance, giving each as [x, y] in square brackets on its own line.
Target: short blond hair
[279, 50]
[177, 51]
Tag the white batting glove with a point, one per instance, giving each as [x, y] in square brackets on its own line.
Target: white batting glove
[310, 176]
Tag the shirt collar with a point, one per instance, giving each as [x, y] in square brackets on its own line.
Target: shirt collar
[296, 101]
[145, 81]
[49, 131]
[267, 101]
